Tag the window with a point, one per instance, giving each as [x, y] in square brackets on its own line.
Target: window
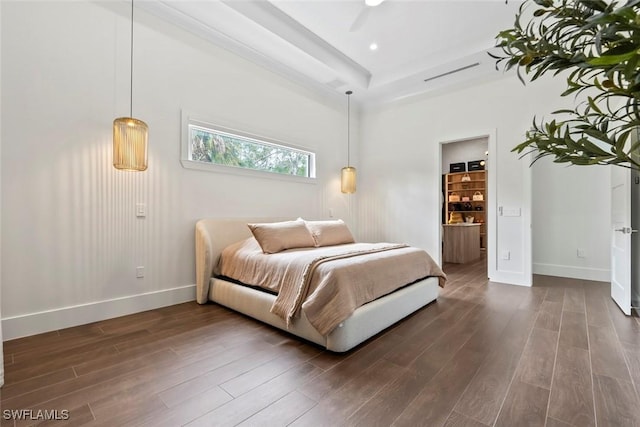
[214, 145]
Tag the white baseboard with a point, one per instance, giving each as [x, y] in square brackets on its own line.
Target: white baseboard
[583, 273]
[51, 320]
[511, 278]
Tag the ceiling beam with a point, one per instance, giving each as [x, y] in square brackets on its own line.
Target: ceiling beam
[276, 21]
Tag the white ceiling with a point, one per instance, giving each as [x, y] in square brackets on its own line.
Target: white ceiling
[325, 43]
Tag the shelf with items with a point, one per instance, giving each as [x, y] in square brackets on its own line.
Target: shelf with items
[461, 188]
[466, 185]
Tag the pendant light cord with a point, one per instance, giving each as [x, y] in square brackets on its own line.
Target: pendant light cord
[348, 127]
[131, 76]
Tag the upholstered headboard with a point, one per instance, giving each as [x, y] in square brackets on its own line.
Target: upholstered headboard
[212, 236]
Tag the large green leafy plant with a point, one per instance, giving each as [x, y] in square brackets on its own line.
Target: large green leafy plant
[598, 44]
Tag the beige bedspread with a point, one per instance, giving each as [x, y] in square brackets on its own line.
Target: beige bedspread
[328, 283]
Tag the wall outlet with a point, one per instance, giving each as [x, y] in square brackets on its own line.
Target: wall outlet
[581, 253]
[139, 272]
[141, 210]
[506, 255]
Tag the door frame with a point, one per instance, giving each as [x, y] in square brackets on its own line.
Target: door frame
[492, 187]
[621, 290]
[635, 241]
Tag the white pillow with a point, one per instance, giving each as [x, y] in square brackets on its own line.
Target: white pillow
[277, 236]
[329, 233]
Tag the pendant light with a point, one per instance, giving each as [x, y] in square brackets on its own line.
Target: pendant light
[348, 176]
[130, 135]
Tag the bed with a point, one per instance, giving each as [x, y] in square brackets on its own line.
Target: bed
[213, 235]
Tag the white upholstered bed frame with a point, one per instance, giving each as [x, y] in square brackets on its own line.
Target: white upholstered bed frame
[213, 235]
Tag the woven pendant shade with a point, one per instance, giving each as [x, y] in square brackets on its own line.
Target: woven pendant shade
[348, 180]
[348, 175]
[130, 144]
[130, 135]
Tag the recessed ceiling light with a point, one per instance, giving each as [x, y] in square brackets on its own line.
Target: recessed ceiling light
[373, 46]
[373, 3]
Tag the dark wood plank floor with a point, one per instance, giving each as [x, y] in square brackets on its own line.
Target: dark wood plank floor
[557, 354]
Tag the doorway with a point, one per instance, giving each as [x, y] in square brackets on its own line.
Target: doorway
[467, 229]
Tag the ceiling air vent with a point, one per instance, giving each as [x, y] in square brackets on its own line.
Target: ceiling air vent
[457, 70]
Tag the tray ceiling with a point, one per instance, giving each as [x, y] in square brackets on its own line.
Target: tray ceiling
[422, 45]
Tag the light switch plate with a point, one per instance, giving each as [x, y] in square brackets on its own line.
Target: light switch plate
[511, 212]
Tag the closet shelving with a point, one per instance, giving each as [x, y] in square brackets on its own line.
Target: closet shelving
[459, 198]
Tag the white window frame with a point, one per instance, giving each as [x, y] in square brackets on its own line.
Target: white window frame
[188, 120]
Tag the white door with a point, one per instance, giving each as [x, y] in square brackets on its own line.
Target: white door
[621, 237]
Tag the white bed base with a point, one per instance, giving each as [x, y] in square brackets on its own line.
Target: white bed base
[213, 235]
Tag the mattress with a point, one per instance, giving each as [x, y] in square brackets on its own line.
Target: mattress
[327, 283]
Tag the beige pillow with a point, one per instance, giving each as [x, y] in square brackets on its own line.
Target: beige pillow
[329, 233]
[278, 236]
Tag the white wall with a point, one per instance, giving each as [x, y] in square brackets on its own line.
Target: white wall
[69, 232]
[400, 182]
[571, 211]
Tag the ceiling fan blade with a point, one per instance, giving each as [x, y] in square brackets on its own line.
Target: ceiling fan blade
[360, 19]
